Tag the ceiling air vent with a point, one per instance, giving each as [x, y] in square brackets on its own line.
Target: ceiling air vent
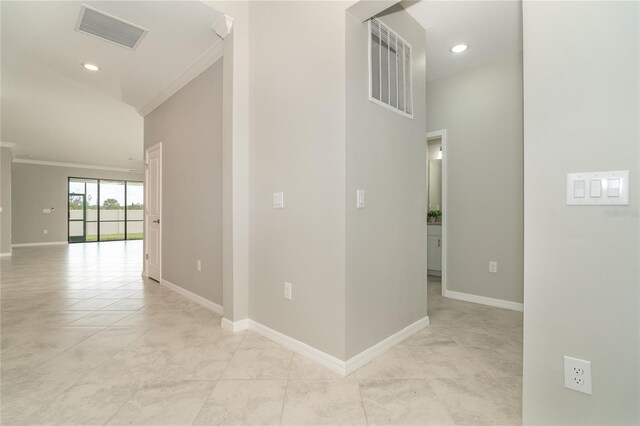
[109, 28]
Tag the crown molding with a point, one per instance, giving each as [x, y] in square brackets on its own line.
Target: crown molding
[11, 146]
[208, 58]
[74, 165]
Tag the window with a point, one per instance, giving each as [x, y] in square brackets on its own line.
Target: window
[389, 69]
[105, 210]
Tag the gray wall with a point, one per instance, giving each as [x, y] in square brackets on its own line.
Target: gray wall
[297, 147]
[35, 187]
[582, 109]
[481, 109]
[385, 155]
[189, 125]
[5, 200]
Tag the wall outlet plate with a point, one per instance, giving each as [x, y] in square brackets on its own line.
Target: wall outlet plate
[577, 374]
[493, 266]
[287, 291]
[360, 198]
[278, 200]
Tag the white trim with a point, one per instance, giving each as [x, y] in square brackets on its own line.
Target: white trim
[74, 165]
[344, 368]
[11, 146]
[379, 348]
[52, 243]
[234, 327]
[208, 58]
[332, 363]
[442, 134]
[5, 254]
[193, 297]
[498, 303]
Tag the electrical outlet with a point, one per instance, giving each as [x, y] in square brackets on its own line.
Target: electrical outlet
[278, 200]
[287, 290]
[45, 232]
[577, 374]
[198, 266]
[493, 266]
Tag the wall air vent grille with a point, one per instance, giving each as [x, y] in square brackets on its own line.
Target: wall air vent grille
[390, 82]
[109, 28]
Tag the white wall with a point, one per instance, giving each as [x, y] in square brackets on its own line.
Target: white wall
[582, 278]
[189, 125]
[385, 155]
[481, 109]
[298, 147]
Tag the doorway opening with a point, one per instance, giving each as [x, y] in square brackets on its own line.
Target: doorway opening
[105, 210]
[437, 203]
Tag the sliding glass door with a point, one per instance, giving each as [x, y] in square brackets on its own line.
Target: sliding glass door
[105, 210]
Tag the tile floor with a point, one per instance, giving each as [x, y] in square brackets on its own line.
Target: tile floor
[86, 341]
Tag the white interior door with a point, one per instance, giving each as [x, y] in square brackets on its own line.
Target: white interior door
[153, 210]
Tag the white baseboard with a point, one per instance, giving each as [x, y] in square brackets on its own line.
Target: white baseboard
[193, 297]
[234, 326]
[5, 254]
[498, 303]
[52, 243]
[334, 364]
[379, 348]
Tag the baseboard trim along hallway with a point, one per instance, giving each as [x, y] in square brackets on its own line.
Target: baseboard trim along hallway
[193, 297]
[52, 243]
[498, 303]
[344, 368]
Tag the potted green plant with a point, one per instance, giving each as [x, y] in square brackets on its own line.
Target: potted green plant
[434, 215]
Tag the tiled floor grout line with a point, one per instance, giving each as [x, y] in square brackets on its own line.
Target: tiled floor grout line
[286, 389]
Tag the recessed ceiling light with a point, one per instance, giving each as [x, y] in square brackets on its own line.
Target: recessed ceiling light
[90, 67]
[459, 48]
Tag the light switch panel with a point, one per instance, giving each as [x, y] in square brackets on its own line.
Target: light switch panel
[360, 198]
[278, 200]
[605, 188]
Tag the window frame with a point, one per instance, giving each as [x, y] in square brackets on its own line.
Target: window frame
[97, 221]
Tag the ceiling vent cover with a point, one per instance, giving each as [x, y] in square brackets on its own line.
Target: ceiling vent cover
[109, 28]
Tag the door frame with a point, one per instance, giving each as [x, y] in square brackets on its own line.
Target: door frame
[84, 215]
[145, 271]
[442, 134]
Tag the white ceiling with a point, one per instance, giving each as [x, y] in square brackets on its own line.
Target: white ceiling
[491, 29]
[55, 110]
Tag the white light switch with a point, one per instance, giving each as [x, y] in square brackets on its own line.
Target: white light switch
[605, 188]
[596, 188]
[613, 187]
[278, 200]
[360, 198]
[46, 211]
[578, 189]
